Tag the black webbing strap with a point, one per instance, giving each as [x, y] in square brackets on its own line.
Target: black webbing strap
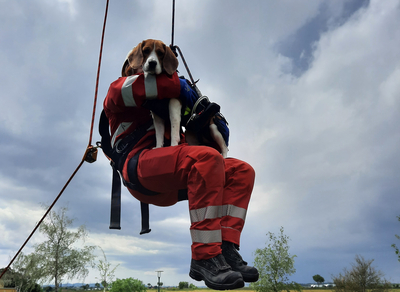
[115, 217]
[117, 161]
[144, 208]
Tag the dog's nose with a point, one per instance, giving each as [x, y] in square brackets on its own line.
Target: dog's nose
[152, 64]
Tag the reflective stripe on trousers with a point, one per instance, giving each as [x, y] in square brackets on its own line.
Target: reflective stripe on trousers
[213, 213]
[219, 191]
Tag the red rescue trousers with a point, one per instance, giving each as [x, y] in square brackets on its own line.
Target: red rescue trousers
[219, 191]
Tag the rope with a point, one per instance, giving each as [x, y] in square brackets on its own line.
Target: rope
[90, 154]
[41, 220]
[173, 23]
[174, 48]
[98, 74]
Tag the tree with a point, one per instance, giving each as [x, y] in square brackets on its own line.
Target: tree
[58, 257]
[192, 286]
[183, 285]
[319, 279]
[14, 279]
[9, 278]
[394, 245]
[360, 278]
[105, 270]
[128, 285]
[26, 266]
[275, 264]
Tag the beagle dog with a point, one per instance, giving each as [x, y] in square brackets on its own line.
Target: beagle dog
[153, 57]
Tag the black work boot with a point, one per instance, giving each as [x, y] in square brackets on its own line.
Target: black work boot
[216, 273]
[234, 259]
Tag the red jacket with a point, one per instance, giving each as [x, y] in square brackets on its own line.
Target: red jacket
[123, 104]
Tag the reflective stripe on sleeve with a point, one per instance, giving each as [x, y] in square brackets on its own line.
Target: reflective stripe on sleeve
[210, 212]
[126, 91]
[150, 85]
[121, 128]
[233, 211]
[206, 236]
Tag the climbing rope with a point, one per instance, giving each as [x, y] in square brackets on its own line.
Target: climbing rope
[91, 151]
[174, 48]
[89, 156]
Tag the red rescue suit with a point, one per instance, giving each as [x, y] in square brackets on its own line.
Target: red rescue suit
[219, 189]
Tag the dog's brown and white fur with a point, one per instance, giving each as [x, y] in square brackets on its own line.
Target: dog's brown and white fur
[153, 57]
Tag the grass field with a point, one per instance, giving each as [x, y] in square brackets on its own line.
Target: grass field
[238, 290]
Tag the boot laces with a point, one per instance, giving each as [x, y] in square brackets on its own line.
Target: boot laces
[220, 263]
[233, 252]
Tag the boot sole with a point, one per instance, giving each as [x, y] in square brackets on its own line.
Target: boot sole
[250, 278]
[239, 283]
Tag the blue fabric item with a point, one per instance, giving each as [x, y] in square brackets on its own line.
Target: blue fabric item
[188, 95]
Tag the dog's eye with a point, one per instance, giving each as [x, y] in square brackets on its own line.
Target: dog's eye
[160, 53]
[146, 50]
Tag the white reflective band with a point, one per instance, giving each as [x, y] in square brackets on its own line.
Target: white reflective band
[206, 236]
[150, 85]
[233, 211]
[121, 128]
[126, 90]
[210, 212]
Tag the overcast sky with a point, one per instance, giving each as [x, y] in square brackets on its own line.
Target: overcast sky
[311, 91]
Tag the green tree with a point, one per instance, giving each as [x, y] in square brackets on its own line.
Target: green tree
[318, 279]
[9, 278]
[395, 246]
[105, 270]
[192, 286]
[26, 266]
[59, 258]
[128, 285]
[183, 285]
[360, 278]
[275, 264]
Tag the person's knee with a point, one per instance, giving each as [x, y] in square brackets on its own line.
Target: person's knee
[208, 163]
[249, 169]
[205, 153]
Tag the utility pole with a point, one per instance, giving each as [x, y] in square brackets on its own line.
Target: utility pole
[159, 276]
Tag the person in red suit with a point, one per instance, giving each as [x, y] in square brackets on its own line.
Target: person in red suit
[218, 189]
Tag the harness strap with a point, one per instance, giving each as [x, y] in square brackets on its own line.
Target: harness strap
[115, 215]
[118, 156]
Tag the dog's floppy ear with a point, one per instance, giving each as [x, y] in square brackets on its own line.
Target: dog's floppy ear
[134, 60]
[170, 62]
[136, 56]
[126, 69]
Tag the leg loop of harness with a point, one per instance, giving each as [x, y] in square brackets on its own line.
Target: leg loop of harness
[118, 155]
[134, 184]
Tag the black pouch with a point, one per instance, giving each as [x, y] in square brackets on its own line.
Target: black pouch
[201, 114]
